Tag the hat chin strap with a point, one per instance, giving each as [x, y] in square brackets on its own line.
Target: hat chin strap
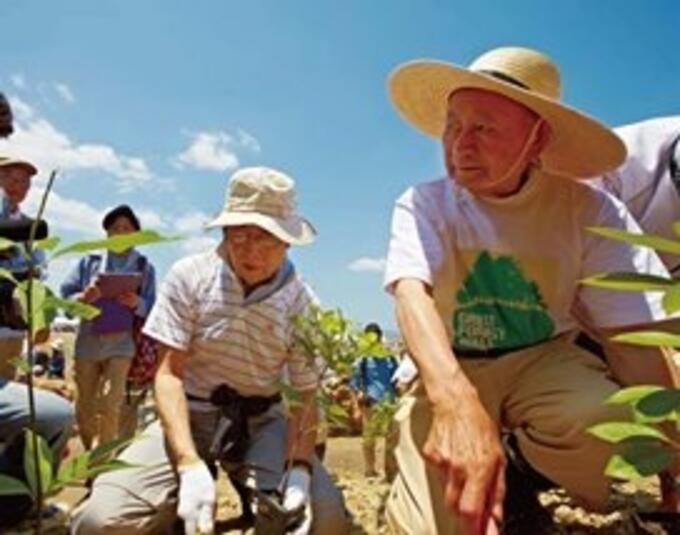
[514, 168]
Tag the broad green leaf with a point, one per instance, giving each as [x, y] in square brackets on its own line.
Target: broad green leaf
[74, 470]
[22, 364]
[110, 466]
[615, 432]
[71, 307]
[6, 244]
[291, 397]
[47, 244]
[645, 240]
[638, 460]
[10, 486]
[117, 244]
[41, 318]
[632, 394]
[629, 282]
[671, 300]
[104, 451]
[6, 274]
[43, 470]
[662, 404]
[649, 338]
[676, 228]
[337, 414]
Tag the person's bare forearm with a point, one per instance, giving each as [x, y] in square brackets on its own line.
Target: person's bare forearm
[428, 342]
[302, 428]
[172, 408]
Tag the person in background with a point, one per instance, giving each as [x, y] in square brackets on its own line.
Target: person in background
[15, 183]
[57, 364]
[648, 182]
[372, 384]
[105, 346]
[54, 415]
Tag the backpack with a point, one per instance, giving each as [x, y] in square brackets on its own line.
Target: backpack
[145, 360]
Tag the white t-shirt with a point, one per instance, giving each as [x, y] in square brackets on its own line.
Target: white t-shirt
[644, 182]
[245, 343]
[505, 272]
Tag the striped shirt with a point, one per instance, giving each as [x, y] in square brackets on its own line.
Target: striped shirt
[242, 341]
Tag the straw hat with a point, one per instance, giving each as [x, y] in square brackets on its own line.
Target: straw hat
[266, 198]
[16, 162]
[580, 146]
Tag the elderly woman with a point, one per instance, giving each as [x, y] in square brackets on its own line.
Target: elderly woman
[105, 346]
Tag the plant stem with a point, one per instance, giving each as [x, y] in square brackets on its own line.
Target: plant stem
[29, 320]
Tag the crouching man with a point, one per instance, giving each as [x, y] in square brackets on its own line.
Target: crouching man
[224, 318]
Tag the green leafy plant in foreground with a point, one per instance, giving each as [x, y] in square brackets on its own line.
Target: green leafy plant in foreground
[647, 445]
[39, 306]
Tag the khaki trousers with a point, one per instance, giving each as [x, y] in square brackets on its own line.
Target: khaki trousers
[143, 500]
[10, 349]
[547, 396]
[100, 397]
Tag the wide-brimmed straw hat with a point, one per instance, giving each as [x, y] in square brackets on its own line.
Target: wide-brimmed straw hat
[266, 198]
[579, 147]
[6, 161]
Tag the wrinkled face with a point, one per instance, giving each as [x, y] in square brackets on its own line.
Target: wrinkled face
[15, 181]
[255, 255]
[120, 225]
[483, 140]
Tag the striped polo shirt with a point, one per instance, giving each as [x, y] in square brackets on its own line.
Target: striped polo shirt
[229, 338]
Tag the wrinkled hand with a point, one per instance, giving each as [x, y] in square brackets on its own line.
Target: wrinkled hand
[296, 497]
[197, 496]
[128, 299]
[463, 443]
[90, 294]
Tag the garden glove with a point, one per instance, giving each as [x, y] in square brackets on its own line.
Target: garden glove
[296, 497]
[197, 496]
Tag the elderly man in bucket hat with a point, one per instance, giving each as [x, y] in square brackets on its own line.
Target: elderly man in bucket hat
[223, 318]
[484, 265]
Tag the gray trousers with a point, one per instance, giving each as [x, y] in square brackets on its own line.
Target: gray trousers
[144, 499]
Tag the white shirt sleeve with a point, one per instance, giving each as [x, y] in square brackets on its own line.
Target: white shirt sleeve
[172, 319]
[613, 308]
[416, 249]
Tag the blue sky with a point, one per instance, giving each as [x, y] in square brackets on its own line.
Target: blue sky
[156, 103]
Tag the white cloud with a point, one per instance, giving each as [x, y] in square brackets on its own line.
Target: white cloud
[65, 92]
[18, 80]
[366, 264]
[37, 140]
[65, 214]
[192, 222]
[248, 141]
[210, 150]
[149, 218]
[198, 244]
[59, 269]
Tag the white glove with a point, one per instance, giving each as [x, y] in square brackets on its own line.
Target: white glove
[197, 497]
[296, 496]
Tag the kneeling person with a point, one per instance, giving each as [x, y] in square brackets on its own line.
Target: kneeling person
[224, 319]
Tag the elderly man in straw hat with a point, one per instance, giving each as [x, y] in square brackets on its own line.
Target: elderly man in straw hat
[484, 265]
[223, 318]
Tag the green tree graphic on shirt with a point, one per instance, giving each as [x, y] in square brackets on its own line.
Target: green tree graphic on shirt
[498, 308]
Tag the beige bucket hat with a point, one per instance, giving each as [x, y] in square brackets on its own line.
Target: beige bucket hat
[580, 146]
[266, 198]
[16, 162]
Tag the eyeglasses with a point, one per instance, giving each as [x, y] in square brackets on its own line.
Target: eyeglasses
[239, 236]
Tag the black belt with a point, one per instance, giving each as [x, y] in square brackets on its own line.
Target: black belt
[491, 353]
[231, 436]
